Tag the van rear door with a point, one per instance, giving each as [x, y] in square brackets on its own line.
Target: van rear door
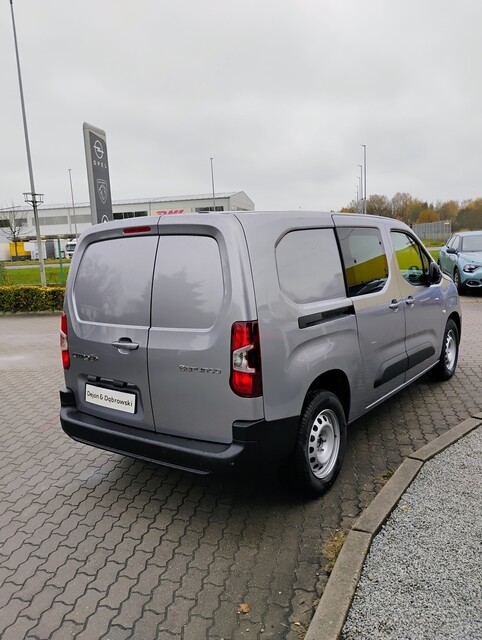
[202, 285]
[108, 309]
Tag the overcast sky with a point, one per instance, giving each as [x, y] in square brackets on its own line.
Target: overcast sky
[280, 93]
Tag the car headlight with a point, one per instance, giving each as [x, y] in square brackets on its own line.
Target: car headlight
[470, 268]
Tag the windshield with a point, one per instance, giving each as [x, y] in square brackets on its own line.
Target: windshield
[472, 243]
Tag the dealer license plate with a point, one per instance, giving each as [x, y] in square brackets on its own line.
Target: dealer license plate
[118, 400]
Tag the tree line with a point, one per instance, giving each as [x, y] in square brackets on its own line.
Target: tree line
[464, 215]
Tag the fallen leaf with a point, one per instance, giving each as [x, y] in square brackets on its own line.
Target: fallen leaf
[243, 608]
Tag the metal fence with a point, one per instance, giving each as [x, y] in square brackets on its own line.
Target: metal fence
[433, 230]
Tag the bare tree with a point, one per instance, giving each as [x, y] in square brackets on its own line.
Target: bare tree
[13, 224]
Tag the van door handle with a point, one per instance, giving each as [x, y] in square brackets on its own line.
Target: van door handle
[125, 344]
[394, 305]
[410, 301]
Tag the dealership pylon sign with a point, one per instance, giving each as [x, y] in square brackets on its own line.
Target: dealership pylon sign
[98, 174]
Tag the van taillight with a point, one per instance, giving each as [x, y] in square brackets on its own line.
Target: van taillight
[64, 342]
[245, 378]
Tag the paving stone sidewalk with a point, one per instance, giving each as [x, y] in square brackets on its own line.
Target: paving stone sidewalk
[95, 545]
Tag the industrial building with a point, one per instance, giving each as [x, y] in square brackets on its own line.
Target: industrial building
[67, 221]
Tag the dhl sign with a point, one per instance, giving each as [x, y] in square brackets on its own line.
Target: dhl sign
[165, 212]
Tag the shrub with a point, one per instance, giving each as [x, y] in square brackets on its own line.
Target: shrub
[31, 298]
[3, 275]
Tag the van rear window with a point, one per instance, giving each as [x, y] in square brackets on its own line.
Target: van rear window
[114, 279]
[188, 287]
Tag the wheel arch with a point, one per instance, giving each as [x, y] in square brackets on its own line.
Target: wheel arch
[335, 381]
[458, 321]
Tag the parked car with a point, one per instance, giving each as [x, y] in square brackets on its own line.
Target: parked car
[226, 340]
[461, 259]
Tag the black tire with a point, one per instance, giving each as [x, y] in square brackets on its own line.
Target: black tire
[457, 282]
[445, 367]
[321, 443]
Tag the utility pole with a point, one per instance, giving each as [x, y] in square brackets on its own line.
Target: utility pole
[32, 197]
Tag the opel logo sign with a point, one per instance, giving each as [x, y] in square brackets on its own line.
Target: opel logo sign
[102, 190]
[99, 149]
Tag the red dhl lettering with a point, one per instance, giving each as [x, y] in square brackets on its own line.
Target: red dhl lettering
[165, 212]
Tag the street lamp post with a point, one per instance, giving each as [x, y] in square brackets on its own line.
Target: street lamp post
[360, 179]
[212, 181]
[365, 176]
[35, 199]
[32, 197]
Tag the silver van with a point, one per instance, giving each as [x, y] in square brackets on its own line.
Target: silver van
[217, 341]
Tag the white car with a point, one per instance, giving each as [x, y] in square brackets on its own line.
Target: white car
[70, 248]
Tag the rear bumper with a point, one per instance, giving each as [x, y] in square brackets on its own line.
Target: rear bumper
[259, 442]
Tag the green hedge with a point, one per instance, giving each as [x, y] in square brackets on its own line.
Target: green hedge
[18, 299]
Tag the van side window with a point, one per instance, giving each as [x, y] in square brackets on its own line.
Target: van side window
[366, 266]
[412, 261]
[188, 287]
[309, 266]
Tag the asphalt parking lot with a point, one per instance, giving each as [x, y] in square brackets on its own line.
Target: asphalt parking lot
[95, 545]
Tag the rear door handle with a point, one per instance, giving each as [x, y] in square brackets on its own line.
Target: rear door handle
[410, 301]
[394, 305]
[125, 344]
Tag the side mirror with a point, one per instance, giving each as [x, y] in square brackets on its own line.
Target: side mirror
[434, 273]
[451, 250]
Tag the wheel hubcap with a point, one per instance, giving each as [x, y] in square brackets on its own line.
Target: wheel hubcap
[450, 350]
[324, 443]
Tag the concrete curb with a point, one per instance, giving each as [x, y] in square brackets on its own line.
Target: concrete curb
[331, 613]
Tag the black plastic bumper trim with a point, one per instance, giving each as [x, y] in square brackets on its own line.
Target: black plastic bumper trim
[253, 441]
